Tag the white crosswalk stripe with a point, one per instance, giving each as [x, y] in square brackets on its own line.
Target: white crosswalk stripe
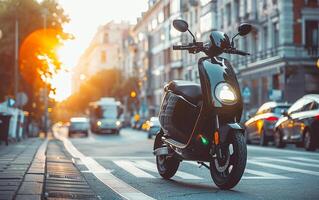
[144, 168]
[132, 169]
[281, 167]
[289, 162]
[258, 174]
[304, 159]
[152, 167]
[262, 175]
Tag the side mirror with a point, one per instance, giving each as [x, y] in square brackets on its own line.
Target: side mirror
[180, 25]
[244, 29]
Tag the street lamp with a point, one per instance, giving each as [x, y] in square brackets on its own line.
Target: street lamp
[46, 114]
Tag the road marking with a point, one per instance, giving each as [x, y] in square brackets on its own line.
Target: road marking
[130, 167]
[289, 162]
[291, 169]
[304, 159]
[124, 157]
[263, 149]
[262, 175]
[117, 185]
[152, 167]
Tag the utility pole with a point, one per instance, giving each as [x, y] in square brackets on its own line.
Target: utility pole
[44, 15]
[16, 60]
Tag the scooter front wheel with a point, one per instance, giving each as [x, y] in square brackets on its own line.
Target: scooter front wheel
[227, 173]
[167, 166]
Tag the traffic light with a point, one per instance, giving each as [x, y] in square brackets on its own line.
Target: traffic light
[133, 94]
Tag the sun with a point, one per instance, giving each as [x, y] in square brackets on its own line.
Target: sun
[61, 82]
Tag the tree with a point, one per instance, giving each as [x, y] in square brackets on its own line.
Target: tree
[29, 14]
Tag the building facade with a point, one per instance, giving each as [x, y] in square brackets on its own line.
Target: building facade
[283, 46]
[104, 52]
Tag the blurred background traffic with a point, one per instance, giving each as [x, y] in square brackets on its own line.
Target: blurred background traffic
[98, 68]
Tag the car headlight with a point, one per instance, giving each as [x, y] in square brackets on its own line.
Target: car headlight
[225, 94]
[99, 123]
[117, 123]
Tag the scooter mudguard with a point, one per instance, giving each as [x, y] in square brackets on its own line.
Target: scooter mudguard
[227, 129]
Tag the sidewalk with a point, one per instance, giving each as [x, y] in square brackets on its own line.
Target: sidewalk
[40, 169]
[21, 170]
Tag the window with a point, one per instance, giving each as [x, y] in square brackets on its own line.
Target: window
[311, 36]
[103, 57]
[265, 32]
[237, 8]
[254, 41]
[206, 22]
[276, 34]
[298, 106]
[228, 14]
[175, 6]
[160, 17]
[105, 38]
[222, 18]
[275, 82]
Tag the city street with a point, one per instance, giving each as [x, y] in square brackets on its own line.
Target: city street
[123, 165]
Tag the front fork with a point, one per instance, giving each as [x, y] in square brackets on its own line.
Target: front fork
[217, 150]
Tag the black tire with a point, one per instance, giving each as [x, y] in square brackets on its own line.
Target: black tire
[231, 175]
[167, 166]
[279, 143]
[309, 142]
[263, 141]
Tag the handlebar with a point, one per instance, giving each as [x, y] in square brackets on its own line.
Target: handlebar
[198, 46]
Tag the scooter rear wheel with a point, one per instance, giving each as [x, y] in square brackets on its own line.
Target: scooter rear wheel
[227, 173]
[167, 166]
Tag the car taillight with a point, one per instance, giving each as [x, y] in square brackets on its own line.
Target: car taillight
[317, 117]
[272, 118]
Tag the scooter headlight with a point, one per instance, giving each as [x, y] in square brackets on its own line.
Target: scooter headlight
[225, 94]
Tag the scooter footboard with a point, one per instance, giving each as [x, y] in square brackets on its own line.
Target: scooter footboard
[230, 128]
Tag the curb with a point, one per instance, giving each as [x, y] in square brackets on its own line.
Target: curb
[32, 184]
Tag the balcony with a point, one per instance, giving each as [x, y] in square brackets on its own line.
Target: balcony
[301, 52]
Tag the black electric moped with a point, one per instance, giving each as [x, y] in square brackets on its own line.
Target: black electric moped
[199, 122]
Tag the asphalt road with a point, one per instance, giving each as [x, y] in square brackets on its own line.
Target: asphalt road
[123, 166]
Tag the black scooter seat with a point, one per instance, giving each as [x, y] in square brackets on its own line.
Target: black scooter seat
[191, 91]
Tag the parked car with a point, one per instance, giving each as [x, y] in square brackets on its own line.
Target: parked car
[300, 124]
[79, 125]
[154, 127]
[259, 128]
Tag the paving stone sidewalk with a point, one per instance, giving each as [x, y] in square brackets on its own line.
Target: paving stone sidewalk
[22, 170]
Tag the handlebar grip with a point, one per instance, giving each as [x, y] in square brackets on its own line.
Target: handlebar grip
[242, 53]
[181, 47]
[176, 47]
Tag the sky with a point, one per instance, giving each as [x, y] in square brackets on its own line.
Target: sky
[86, 16]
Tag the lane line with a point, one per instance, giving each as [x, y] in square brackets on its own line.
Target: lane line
[152, 167]
[288, 161]
[304, 159]
[291, 169]
[117, 185]
[130, 168]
